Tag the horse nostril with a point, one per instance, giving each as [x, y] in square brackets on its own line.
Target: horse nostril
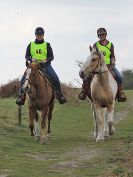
[26, 89]
[82, 74]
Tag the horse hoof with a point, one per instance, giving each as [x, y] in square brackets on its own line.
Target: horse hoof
[100, 139]
[49, 135]
[106, 135]
[37, 138]
[111, 131]
[43, 142]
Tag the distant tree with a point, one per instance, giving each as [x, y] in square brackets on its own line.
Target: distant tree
[128, 79]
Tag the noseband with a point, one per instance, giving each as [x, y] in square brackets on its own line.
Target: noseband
[28, 90]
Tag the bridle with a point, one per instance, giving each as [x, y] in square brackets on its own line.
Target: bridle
[29, 89]
[97, 72]
[26, 89]
[99, 63]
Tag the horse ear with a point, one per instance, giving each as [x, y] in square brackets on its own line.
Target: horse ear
[90, 48]
[98, 52]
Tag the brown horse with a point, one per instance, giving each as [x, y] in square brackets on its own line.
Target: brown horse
[40, 96]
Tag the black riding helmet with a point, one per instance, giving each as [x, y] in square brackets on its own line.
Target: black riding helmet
[39, 31]
[101, 31]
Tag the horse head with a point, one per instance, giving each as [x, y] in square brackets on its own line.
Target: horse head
[93, 63]
[31, 77]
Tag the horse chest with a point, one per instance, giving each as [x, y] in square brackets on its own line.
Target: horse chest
[102, 97]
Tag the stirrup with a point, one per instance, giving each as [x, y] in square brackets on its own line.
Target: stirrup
[60, 97]
[82, 96]
[122, 97]
[20, 101]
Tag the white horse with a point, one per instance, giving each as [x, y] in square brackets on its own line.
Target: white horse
[103, 93]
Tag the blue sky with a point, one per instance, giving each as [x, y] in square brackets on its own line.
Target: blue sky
[70, 27]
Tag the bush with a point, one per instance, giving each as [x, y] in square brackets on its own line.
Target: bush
[71, 93]
[10, 89]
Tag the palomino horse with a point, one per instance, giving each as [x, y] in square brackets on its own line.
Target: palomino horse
[40, 96]
[103, 93]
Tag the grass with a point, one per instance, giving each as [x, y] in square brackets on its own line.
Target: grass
[71, 151]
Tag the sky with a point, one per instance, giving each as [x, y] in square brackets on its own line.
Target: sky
[70, 28]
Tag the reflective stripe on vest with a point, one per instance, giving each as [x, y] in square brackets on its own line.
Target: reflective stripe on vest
[105, 50]
[38, 51]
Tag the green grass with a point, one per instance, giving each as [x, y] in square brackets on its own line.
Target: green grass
[71, 151]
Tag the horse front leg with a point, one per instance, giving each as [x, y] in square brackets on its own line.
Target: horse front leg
[43, 125]
[100, 122]
[51, 107]
[106, 129]
[110, 113]
[36, 129]
[95, 121]
[31, 120]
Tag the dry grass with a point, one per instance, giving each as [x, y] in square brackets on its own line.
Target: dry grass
[10, 89]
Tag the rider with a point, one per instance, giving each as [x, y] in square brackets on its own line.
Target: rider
[41, 51]
[107, 48]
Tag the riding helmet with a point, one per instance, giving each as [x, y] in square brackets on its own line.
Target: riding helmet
[39, 31]
[101, 31]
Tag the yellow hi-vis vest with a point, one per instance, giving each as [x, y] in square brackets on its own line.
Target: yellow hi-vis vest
[105, 50]
[38, 51]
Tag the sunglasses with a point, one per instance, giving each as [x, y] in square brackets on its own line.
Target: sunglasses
[101, 35]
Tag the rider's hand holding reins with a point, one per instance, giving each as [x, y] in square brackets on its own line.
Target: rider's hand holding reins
[34, 60]
[44, 61]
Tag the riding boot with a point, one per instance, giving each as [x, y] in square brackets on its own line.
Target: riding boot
[121, 95]
[83, 94]
[21, 99]
[85, 89]
[60, 97]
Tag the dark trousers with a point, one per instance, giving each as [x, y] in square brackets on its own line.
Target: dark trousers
[21, 84]
[52, 75]
[118, 76]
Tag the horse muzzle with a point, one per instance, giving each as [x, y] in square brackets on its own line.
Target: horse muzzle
[27, 90]
[82, 75]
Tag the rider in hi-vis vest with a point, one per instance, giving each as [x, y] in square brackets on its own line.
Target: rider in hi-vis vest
[41, 51]
[107, 49]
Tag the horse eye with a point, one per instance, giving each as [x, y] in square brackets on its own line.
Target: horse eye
[93, 59]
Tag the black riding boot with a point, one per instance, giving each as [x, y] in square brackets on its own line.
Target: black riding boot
[21, 99]
[121, 95]
[85, 89]
[60, 97]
